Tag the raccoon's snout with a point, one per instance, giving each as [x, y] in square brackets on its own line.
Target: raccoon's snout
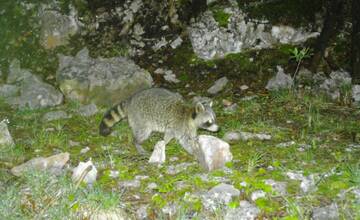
[104, 130]
[213, 128]
[210, 127]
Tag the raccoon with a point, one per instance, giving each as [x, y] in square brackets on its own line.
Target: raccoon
[159, 110]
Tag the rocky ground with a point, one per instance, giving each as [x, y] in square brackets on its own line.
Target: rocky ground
[293, 134]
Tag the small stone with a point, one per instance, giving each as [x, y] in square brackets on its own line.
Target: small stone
[280, 81]
[8, 91]
[170, 77]
[130, 184]
[114, 174]
[329, 212]
[221, 194]
[73, 143]
[53, 164]
[85, 172]
[173, 159]
[218, 85]
[356, 93]
[161, 43]
[226, 103]
[173, 170]
[141, 177]
[257, 195]
[181, 185]
[278, 187]
[307, 183]
[231, 109]
[5, 137]
[169, 209]
[152, 186]
[286, 144]
[141, 213]
[88, 110]
[84, 150]
[244, 87]
[245, 136]
[249, 98]
[243, 184]
[245, 211]
[108, 214]
[177, 42]
[159, 71]
[55, 115]
[158, 155]
[213, 152]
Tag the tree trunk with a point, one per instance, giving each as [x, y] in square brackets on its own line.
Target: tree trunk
[332, 23]
[355, 41]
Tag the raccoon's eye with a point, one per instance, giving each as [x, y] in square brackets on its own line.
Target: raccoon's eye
[208, 123]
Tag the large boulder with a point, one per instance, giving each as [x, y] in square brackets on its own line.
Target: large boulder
[23, 89]
[209, 40]
[56, 28]
[53, 164]
[102, 81]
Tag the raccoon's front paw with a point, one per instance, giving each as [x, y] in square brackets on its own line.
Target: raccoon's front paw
[158, 155]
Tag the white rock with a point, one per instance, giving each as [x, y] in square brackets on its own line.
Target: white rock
[278, 187]
[141, 213]
[55, 115]
[280, 81]
[5, 137]
[307, 183]
[245, 136]
[130, 184]
[209, 40]
[356, 93]
[173, 170]
[111, 214]
[152, 186]
[221, 194]
[53, 164]
[218, 85]
[141, 177]
[88, 110]
[257, 195]
[286, 144]
[329, 212]
[158, 155]
[114, 173]
[82, 171]
[161, 43]
[170, 209]
[84, 150]
[245, 211]
[177, 42]
[170, 77]
[244, 87]
[213, 152]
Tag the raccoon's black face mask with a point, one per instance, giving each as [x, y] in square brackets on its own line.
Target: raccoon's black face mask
[204, 117]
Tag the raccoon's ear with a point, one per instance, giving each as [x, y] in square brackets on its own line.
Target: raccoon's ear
[199, 107]
[211, 103]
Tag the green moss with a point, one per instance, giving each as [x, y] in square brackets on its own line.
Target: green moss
[221, 17]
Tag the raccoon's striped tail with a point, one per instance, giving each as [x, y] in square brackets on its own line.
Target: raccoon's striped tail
[111, 117]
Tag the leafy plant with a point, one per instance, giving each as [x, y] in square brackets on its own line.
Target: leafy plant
[299, 55]
[254, 161]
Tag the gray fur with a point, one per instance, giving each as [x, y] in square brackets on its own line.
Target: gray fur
[159, 110]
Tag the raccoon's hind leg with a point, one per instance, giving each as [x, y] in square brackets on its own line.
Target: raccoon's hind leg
[141, 135]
